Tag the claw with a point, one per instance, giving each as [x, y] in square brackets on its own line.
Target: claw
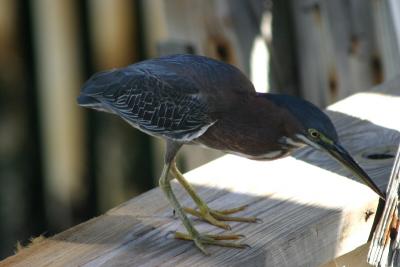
[258, 220]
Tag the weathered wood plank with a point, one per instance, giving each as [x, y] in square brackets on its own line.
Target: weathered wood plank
[355, 258]
[310, 213]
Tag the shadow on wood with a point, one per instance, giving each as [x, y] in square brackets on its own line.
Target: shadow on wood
[138, 234]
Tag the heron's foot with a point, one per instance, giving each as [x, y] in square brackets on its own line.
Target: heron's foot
[216, 217]
[215, 240]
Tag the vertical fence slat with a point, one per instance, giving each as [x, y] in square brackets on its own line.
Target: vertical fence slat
[59, 68]
[119, 149]
[333, 48]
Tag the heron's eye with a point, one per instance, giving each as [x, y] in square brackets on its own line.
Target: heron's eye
[314, 133]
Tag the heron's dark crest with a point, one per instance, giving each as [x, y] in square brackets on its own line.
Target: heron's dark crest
[310, 116]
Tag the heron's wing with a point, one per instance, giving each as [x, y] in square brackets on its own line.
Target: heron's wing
[164, 105]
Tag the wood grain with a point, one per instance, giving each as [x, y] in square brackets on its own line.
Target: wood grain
[387, 26]
[311, 213]
[334, 46]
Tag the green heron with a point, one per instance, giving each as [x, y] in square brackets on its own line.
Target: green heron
[188, 99]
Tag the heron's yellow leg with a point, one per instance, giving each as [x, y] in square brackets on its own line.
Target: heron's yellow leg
[199, 239]
[214, 217]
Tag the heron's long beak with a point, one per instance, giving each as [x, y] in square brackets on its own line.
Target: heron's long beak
[339, 153]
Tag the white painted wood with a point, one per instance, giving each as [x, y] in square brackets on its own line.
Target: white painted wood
[384, 249]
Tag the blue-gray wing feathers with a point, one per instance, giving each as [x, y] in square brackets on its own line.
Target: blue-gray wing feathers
[157, 105]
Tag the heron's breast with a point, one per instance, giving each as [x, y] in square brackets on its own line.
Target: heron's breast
[249, 142]
[272, 155]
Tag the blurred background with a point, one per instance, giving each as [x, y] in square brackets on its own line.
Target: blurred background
[61, 164]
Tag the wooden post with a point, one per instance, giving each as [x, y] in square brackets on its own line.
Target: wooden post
[387, 29]
[117, 146]
[334, 48]
[385, 245]
[21, 208]
[59, 80]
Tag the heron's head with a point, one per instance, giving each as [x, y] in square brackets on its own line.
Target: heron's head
[317, 130]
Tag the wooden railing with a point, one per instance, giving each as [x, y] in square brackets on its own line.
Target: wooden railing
[311, 210]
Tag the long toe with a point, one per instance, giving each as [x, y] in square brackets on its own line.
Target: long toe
[208, 217]
[215, 240]
[217, 218]
[233, 210]
[222, 217]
